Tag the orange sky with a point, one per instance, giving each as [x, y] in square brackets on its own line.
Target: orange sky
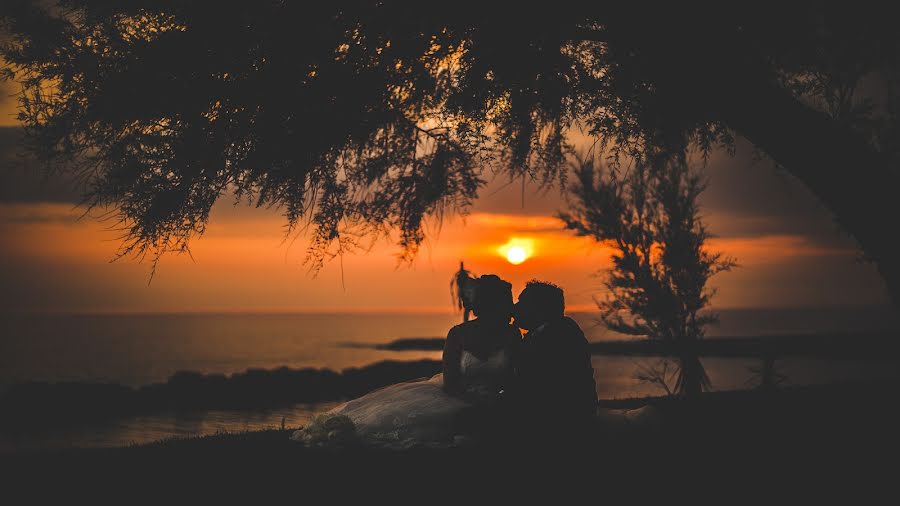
[54, 262]
[789, 250]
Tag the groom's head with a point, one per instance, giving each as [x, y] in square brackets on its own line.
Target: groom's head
[539, 303]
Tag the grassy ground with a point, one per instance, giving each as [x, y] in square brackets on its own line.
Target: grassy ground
[803, 437]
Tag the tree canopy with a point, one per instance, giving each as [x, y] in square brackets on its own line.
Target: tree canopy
[360, 118]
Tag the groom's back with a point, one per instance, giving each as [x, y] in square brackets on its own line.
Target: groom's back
[558, 369]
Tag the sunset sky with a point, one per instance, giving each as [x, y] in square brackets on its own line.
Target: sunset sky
[791, 253]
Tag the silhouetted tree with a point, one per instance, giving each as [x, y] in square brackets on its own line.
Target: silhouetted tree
[661, 264]
[368, 117]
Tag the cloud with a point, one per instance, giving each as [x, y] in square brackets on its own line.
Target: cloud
[24, 179]
[516, 222]
[25, 213]
[747, 197]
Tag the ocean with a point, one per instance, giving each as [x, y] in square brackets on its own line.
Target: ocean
[138, 349]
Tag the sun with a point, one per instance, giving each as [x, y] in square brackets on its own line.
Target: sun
[517, 250]
[516, 255]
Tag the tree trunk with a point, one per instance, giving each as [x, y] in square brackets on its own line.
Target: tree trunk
[692, 378]
[850, 178]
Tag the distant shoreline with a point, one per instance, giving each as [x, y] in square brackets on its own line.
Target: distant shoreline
[795, 421]
[868, 346]
[43, 404]
[39, 405]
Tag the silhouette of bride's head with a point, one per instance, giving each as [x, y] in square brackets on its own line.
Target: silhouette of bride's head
[539, 303]
[493, 298]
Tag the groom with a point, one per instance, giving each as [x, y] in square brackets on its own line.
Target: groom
[556, 379]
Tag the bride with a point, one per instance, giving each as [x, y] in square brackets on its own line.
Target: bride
[477, 368]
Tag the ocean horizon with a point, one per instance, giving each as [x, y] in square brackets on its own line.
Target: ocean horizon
[137, 349]
[141, 348]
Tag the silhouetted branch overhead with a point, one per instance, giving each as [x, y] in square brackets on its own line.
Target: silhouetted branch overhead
[363, 118]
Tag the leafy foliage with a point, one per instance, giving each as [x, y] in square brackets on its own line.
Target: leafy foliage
[358, 119]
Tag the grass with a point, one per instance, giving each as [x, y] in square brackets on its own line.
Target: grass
[798, 437]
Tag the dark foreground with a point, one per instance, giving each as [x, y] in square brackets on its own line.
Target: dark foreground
[810, 439]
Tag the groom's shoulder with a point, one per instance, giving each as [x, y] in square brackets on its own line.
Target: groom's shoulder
[567, 323]
[570, 327]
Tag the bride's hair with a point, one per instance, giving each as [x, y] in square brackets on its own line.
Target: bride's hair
[493, 297]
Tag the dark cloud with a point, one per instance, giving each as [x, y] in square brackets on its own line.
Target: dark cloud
[23, 179]
[751, 197]
[746, 197]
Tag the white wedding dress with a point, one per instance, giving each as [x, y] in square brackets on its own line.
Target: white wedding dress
[420, 412]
